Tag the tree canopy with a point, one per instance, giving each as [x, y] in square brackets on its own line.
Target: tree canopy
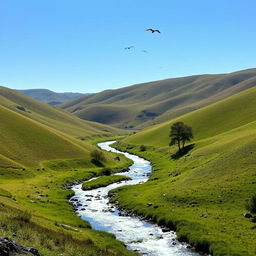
[180, 133]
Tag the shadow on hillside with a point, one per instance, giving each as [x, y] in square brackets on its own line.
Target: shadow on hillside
[182, 152]
[97, 163]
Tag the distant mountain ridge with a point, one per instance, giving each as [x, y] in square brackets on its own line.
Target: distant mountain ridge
[50, 97]
[146, 104]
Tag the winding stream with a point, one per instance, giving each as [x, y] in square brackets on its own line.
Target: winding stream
[138, 235]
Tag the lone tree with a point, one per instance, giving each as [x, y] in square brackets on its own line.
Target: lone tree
[180, 133]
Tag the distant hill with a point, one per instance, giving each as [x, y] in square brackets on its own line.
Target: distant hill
[142, 105]
[52, 116]
[50, 97]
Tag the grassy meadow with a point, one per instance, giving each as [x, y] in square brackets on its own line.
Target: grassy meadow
[202, 194]
[35, 210]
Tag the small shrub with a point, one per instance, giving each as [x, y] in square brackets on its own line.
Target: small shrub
[98, 155]
[143, 148]
[251, 205]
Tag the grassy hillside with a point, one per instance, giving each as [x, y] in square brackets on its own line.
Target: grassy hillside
[51, 116]
[36, 164]
[145, 104]
[28, 142]
[31, 200]
[217, 118]
[203, 193]
[37, 161]
[50, 97]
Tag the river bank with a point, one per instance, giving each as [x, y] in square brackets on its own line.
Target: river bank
[138, 235]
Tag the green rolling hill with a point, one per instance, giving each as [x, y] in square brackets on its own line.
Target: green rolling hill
[146, 104]
[215, 119]
[202, 193]
[28, 142]
[52, 116]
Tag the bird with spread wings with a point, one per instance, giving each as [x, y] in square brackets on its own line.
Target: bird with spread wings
[153, 30]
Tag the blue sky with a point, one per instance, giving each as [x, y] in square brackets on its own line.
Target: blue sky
[78, 45]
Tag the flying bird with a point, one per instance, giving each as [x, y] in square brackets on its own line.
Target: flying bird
[153, 30]
[144, 51]
[129, 47]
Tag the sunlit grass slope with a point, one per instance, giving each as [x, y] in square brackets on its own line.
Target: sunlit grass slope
[34, 208]
[203, 193]
[145, 104]
[217, 118]
[28, 142]
[36, 164]
[52, 116]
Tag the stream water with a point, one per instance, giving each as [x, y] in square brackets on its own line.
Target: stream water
[138, 235]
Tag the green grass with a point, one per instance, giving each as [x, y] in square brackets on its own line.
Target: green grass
[103, 181]
[150, 103]
[52, 238]
[32, 205]
[207, 122]
[37, 161]
[202, 195]
[27, 142]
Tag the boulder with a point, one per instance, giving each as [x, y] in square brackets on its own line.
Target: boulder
[247, 215]
[165, 229]
[9, 247]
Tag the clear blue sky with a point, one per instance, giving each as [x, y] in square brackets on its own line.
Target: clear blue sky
[78, 45]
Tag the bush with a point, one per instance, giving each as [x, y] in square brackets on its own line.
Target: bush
[143, 148]
[106, 172]
[98, 155]
[251, 205]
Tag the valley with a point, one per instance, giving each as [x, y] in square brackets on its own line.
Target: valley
[127, 128]
[200, 194]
